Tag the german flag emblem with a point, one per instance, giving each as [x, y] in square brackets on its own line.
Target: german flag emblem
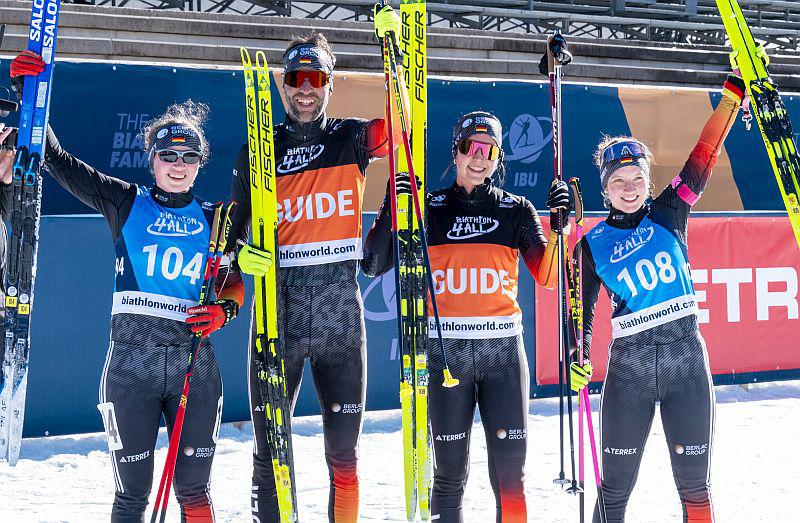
[178, 139]
[481, 129]
[305, 60]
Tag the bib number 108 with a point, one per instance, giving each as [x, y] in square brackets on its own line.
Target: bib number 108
[172, 263]
[649, 274]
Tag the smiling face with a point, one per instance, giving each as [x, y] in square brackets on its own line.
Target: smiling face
[306, 103]
[471, 171]
[176, 176]
[627, 188]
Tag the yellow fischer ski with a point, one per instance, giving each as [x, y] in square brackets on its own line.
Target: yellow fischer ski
[268, 349]
[414, 385]
[770, 112]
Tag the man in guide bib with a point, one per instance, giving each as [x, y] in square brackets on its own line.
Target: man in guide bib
[320, 167]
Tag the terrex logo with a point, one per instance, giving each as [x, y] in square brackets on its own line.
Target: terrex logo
[299, 157]
[631, 244]
[168, 224]
[527, 139]
[466, 227]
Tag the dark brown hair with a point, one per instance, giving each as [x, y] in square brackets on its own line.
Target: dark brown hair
[315, 39]
[189, 113]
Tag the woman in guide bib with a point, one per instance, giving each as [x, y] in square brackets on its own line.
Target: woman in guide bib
[476, 233]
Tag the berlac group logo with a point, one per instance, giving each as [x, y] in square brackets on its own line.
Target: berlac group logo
[527, 138]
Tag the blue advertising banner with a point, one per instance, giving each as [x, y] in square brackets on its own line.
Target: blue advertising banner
[98, 110]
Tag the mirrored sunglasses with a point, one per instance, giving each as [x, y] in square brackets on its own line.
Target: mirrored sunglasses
[297, 78]
[471, 148]
[171, 156]
[627, 149]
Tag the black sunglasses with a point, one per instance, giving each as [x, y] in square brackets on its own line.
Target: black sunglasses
[171, 156]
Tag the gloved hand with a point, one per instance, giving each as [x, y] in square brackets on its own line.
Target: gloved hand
[205, 319]
[734, 87]
[558, 198]
[27, 63]
[254, 261]
[386, 21]
[403, 184]
[580, 375]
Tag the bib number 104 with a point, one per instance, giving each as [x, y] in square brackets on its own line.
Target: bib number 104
[172, 264]
[649, 274]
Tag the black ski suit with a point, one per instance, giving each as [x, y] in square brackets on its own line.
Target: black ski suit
[657, 355]
[474, 244]
[320, 180]
[149, 347]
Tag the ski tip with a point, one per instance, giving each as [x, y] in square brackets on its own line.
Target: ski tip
[245, 54]
[449, 380]
[261, 59]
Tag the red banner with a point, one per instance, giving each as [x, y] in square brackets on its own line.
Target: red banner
[745, 272]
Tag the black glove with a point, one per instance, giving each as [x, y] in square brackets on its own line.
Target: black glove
[558, 199]
[402, 184]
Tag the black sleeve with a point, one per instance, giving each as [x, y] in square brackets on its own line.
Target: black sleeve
[378, 253]
[361, 141]
[240, 193]
[6, 193]
[590, 290]
[111, 197]
[541, 263]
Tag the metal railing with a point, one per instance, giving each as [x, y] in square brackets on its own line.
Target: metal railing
[773, 22]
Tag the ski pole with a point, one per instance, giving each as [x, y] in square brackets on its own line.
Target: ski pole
[584, 405]
[593, 444]
[556, 56]
[393, 193]
[402, 104]
[216, 246]
[576, 313]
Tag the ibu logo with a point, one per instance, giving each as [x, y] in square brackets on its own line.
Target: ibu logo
[527, 138]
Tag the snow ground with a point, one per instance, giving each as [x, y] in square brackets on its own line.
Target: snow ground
[756, 469]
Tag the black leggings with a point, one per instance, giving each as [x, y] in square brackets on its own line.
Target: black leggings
[324, 323]
[677, 376]
[139, 384]
[493, 374]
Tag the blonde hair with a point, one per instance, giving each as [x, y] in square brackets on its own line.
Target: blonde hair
[607, 141]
